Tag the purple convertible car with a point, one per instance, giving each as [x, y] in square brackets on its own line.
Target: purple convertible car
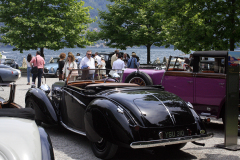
[203, 84]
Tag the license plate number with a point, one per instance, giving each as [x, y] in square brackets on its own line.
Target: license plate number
[173, 134]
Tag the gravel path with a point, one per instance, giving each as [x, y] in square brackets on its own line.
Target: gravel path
[71, 146]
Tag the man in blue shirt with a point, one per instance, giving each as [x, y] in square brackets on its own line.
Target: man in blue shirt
[132, 62]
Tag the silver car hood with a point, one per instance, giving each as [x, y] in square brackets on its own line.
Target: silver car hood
[19, 139]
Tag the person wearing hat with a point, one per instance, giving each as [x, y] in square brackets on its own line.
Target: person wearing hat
[132, 62]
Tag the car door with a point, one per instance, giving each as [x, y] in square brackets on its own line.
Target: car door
[73, 108]
[210, 86]
[180, 83]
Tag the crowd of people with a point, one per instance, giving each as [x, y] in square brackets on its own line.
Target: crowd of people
[89, 63]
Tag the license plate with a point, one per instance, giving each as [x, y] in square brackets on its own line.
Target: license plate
[173, 134]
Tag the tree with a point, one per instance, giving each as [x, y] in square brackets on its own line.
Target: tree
[132, 23]
[203, 24]
[52, 24]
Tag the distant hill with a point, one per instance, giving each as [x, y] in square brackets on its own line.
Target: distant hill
[96, 5]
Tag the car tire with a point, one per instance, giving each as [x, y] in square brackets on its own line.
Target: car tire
[1, 81]
[57, 73]
[31, 104]
[140, 78]
[175, 146]
[104, 149]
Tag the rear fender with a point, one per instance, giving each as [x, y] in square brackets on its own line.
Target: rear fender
[44, 109]
[102, 119]
[46, 145]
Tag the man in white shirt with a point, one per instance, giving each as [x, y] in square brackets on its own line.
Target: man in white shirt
[114, 57]
[88, 63]
[118, 64]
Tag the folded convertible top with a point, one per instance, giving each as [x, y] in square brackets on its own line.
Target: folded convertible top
[26, 113]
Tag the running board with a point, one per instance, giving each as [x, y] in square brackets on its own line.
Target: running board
[73, 130]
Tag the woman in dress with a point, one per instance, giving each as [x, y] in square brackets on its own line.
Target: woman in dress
[69, 65]
[61, 65]
[102, 66]
[29, 58]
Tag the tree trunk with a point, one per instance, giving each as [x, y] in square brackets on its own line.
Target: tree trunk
[148, 53]
[232, 40]
[42, 54]
[41, 50]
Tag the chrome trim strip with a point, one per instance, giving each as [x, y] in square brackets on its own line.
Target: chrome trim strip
[73, 130]
[171, 116]
[80, 102]
[163, 142]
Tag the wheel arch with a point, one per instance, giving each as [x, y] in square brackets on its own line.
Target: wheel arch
[44, 110]
[102, 120]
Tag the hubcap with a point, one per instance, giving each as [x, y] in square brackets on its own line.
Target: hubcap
[138, 80]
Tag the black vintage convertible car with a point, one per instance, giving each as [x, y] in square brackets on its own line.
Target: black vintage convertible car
[114, 114]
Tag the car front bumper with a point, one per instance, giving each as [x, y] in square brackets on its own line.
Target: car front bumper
[49, 71]
[170, 141]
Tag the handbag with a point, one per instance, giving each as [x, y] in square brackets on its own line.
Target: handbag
[35, 69]
[74, 73]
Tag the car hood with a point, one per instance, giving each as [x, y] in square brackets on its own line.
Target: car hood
[49, 65]
[154, 108]
[20, 139]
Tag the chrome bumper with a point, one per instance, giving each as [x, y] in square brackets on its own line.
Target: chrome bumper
[163, 142]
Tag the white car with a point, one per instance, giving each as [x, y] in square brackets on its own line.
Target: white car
[20, 137]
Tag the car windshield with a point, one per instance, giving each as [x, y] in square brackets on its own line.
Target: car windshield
[54, 60]
[176, 63]
[6, 61]
[104, 75]
[4, 93]
[212, 65]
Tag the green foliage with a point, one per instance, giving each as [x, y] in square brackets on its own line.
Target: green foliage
[132, 23]
[202, 25]
[52, 24]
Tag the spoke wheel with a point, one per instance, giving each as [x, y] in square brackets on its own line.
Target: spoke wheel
[104, 149]
[138, 80]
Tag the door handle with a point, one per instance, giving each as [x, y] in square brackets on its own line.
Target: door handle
[221, 84]
[190, 81]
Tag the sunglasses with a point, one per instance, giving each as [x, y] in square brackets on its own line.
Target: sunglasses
[89, 54]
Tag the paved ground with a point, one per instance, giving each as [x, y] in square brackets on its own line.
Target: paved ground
[71, 146]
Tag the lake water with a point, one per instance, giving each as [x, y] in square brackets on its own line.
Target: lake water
[141, 52]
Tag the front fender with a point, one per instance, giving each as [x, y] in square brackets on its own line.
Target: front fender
[46, 145]
[102, 119]
[44, 110]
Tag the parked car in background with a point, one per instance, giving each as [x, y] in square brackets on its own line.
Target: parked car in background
[9, 62]
[20, 137]
[203, 84]
[113, 115]
[52, 67]
[9, 74]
